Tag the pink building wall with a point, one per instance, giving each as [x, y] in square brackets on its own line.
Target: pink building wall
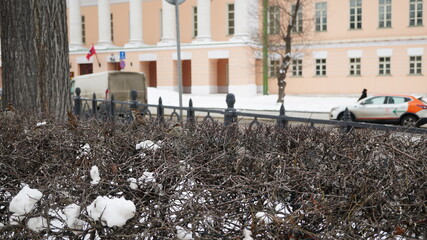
[241, 60]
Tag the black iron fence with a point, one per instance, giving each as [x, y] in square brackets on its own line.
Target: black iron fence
[119, 110]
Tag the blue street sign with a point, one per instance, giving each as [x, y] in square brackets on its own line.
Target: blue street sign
[122, 55]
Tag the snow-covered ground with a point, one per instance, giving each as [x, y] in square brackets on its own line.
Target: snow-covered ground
[298, 103]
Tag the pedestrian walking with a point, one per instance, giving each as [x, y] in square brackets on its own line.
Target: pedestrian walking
[364, 94]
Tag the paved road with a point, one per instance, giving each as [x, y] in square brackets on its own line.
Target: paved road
[306, 115]
[312, 115]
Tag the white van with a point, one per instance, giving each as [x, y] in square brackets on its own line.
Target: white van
[118, 83]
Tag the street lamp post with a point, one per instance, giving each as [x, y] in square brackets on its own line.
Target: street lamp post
[178, 50]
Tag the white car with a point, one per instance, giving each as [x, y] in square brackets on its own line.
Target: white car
[406, 110]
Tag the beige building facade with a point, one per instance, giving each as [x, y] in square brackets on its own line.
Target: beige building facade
[216, 42]
[347, 45]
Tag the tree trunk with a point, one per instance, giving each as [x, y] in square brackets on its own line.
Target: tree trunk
[283, 70]
[34, 49]
[286, 60]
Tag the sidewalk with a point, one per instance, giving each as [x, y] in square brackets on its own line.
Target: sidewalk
[293, 103]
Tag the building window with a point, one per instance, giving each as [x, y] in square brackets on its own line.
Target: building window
[299, 21]
[161, 23]
[415, 65]
[355, 66]
[321, 16]
[384, 66]
[273, 20]
[416, 13]
[112, 28]
[273, 68]
[83, 29]
[384, 13]
[230, 14]
[194, 21]
[297, 68]
[355, 14]
[320, 67]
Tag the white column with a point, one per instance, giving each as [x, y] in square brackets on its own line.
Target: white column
[104, 25]
[75, 25]
[136, 34]
[241, 19]
[168, 24]
[203, 21]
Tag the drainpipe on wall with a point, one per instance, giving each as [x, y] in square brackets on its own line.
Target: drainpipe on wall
[264, 47]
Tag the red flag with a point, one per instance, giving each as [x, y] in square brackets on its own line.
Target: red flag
[91, 52]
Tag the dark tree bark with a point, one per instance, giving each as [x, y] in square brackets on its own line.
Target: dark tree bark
[34, 45]
[286, 60]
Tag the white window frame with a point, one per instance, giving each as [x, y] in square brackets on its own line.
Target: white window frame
[320, 67]
[161, 23]
[415, 12]
[273, 67]
[83, 29]
[355, 66]
[297, 67]
[384, 13]
[384, 66]
[273, 19]
[321, 16]
[355, 14]
[298, 28]
[415, 65]
[195, 16]
[231, 27]
[112, 27]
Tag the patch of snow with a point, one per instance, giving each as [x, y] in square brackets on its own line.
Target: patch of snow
[89, 236]
[40, 124]
[15, 219]
[147, 144]
[146, 178]
[37, 224]
[133, 183]
[263, 217]
[297, 103]
[94, 174]
[247, 234]
[182, 234]
[57, 220]
[24, 201]
[86, 148]
[72, 212]
[111, 211]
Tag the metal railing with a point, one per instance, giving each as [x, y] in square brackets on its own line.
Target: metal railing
[120, 110]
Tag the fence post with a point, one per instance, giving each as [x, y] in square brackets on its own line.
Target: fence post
[77, 103]
[347, 118]
[230, 113]
[94, 105]
[111, 107]
[190, 112]
[160, 111]
[281, 123]
[133, 96]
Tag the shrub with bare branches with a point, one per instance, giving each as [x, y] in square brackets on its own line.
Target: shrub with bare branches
[214, 182]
